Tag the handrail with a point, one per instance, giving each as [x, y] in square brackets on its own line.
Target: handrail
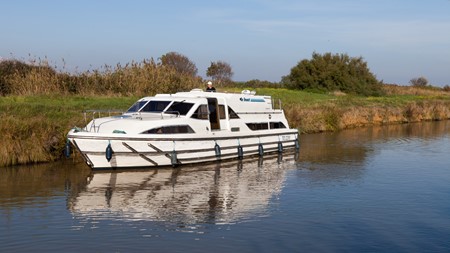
[99, 111]
[170, 112]
[275, 111]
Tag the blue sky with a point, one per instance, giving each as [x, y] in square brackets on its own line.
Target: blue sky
[260, 39]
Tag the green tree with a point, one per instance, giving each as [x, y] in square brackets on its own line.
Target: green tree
[220, 72]
[333, 72]
[180, 63]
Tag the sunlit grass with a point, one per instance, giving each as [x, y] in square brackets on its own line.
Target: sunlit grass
[34, 128]
[310, 99]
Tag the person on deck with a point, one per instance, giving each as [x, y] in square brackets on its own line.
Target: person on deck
[210, 87]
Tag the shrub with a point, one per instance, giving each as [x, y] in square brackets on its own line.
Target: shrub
[419, 82]
[330, 72]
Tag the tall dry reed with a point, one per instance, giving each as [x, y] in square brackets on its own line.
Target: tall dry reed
[35, 141]
[392, 89]
[136, 78]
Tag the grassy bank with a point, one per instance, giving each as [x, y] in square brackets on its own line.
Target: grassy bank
[311, 112]
[34, 127]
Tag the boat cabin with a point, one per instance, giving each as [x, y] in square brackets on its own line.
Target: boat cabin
[222, 111]
[196, 112]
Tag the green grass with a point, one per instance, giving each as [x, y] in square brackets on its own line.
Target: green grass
[287, 96]
[34, 128]
[59, 107]
[59, 112]
[67, 110]
[309, 99]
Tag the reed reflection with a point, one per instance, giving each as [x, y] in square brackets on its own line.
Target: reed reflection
[214, 193]
[354, 145]
[27, 185]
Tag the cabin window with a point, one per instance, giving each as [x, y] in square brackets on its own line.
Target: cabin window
[221, 112]
[138, 105]
[178, 129]
[232, 114]
[201, 112]
[179, 107]
[258, 126]
[155, 106]
[275, 125]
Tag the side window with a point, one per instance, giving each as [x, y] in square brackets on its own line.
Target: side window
[222, 111]
[179, 129]
[258, 126]
[201, 112]
[179, 107]
[232, 114]
[275, 125]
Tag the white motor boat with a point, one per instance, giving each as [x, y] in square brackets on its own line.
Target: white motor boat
[184, 128]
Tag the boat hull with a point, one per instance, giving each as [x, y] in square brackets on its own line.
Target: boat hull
[136, 151]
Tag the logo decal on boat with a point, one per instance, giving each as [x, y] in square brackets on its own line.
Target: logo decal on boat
[252, 100]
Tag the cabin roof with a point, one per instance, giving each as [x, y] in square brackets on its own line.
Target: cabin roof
[198, 93]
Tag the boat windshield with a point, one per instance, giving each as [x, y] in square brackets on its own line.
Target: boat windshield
[181, 107]
[138, 105]
[155, 106]
[146, 106]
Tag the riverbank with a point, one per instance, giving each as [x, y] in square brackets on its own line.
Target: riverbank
[34, 127]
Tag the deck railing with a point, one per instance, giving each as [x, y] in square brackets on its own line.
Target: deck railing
[98, 114]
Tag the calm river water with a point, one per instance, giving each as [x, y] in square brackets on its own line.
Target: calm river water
[380, 189]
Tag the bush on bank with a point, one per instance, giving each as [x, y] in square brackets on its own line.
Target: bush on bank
[334, 72]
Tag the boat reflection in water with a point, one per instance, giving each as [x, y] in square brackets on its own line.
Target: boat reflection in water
[214, 193]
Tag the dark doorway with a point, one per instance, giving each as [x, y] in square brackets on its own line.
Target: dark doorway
[213, 108]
